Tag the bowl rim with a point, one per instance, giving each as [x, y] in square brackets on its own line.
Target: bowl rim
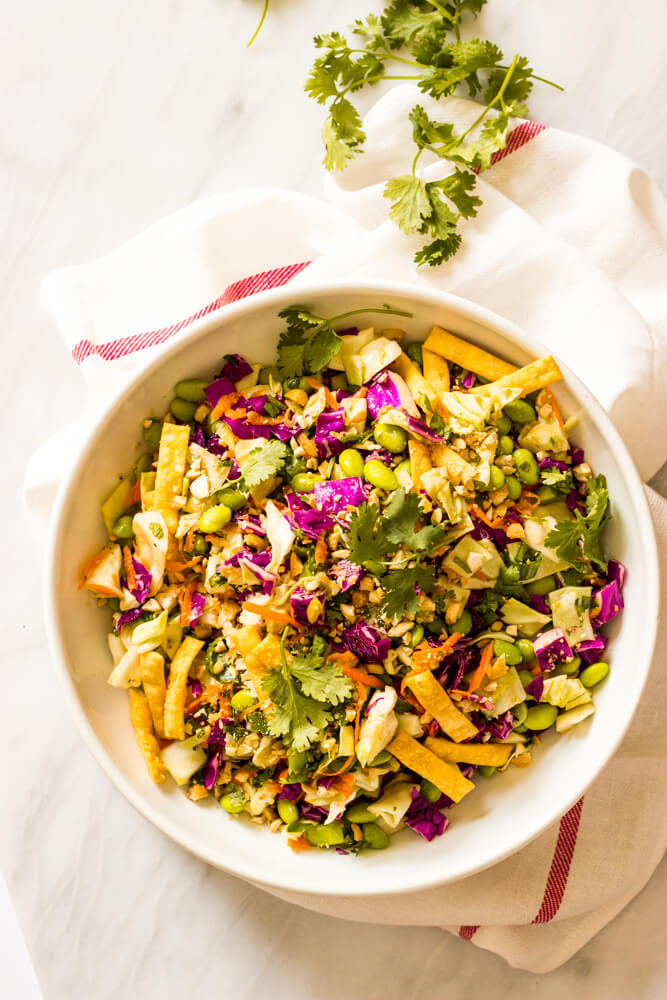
[259, 872]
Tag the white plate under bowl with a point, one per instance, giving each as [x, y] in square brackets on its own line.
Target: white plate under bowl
[500, 816]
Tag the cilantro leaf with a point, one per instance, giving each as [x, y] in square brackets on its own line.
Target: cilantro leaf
[578, 542]
[438, 251]
[321, 348]
[400, 520]
[403, 22]
[560, 480]
[321, 678]
[410, 203]
[366, 544]
[263, 462]
[401, 595]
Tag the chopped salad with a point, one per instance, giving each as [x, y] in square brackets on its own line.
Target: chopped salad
[347, 587]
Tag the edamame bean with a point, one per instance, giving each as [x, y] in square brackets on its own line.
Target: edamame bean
[567, 668]
[375, 837]
[503, 425]
[288, 811]
[525, 677]
[430, 791]
[378, 474]
[182, 410]
[114, 603]
[513, 487]
[543, 586]
[296, 761]
[152, 434]
[391, 437]
[463, 623]
[268, 373]
[122, 528]
[594, 674]
[527, 469]
[540, 717]
[526, 649]
[143, 464]
[496, 478]
[547, 494]
[414, 352]
[232, 803]
[359, 814]
[436, 626]
[242, 700]
[384, 757]
[508, 650]
[319, 835]
[214, 519]
[351, 463]
[486, 770]
[304, 482]
[505, 445]
[200, 546]
[417, 635]
[520, 712]
[519, 411]
[233, 499]
[191, 389]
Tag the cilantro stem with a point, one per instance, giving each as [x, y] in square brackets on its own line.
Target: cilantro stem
[452, 18]
[283, 657]
[498, 97]
[261, 22]
[384, 310]
[542, 79]
[416, 159]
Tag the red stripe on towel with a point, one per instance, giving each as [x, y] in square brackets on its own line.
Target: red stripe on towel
[122, 346]
[560, 865]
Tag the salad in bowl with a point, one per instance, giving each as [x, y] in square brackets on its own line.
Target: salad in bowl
[346, 587]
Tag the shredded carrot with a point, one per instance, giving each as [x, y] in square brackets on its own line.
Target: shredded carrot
[332, 402]
[129, 568]
[321, 550]
[134, 496]
[208, 694]
[426, 657]
[309, 447]
[180, 567]
[185, 601]
[224, 404]
[260, 421]
[313, 383]
[481, 516]
[361, 698]
[344, 783]
[346, 657]
[341, 770]
[484, 663]
[594, 612]
[361, 393]
[89, 567]
[359, 674]
[272, 614]
[554, 404]
[188, 541]
[298, 843]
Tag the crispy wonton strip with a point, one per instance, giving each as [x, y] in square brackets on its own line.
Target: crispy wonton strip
[436, 373]
[174, 705]
[170, 470]
[458, 470]
[537, 375]
[420, 462]
[247, 641]
[466, 355]
[393, 333]
[444, 776]
[411, 375]
[437, 702]
[140, 717]
[493, 754]
[155, 688]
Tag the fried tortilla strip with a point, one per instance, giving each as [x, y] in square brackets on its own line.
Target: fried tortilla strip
[170, 470]
[536, 375]
[420, 462]
[140, 717]
[458, 470]
[437, 702]
[446, 777]
[248, 643]
[411, 375]
[155, 688]
[436, 373]
[466, 355]
[174, 704]
[393, 333]
[492, 754]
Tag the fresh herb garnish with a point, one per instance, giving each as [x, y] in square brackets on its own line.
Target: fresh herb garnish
[263, 462]
[578, 542]
[400, 590]
[303, 692]
[560, 480]
[428, 34]
[373, 534]
[310, 342]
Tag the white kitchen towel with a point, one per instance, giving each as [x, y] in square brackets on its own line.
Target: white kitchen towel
[569, 244]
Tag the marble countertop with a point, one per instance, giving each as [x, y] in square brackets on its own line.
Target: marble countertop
[116, 115]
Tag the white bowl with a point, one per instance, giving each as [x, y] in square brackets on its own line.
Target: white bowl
[501, 815]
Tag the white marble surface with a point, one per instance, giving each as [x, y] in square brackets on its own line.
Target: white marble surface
[114, 115]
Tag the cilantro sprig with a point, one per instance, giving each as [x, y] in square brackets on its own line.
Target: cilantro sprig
[309, 342]
[263, 462]
[427, 33]
[579, 542]
[303, 692]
